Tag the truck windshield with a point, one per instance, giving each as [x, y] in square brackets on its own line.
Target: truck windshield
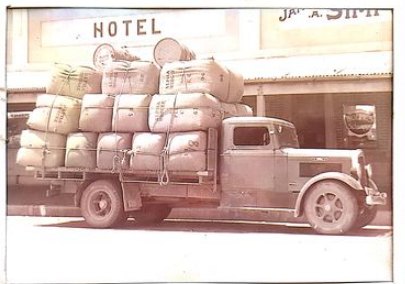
[287, 137]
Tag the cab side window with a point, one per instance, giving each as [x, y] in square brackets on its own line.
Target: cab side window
[251, 136]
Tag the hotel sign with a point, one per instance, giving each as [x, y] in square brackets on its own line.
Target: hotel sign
[140, 27]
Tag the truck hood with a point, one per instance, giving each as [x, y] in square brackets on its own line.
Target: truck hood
[323, 153]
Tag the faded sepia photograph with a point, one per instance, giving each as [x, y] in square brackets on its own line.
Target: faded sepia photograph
[199, 145]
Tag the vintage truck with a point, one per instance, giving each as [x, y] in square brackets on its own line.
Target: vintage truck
[253, 163]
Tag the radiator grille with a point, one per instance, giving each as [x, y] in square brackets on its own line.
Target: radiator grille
[313, 169]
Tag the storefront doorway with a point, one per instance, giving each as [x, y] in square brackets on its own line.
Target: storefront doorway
[306, 112]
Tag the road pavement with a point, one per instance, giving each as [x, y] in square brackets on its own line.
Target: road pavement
[66, 250]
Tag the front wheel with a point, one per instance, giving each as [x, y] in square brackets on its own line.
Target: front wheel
[366, 215]
[101, 204]
[331, 208]
[151, 214]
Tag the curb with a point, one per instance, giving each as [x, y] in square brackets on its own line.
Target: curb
[383, 218]
[43, 210]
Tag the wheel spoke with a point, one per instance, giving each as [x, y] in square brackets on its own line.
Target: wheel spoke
[320, 212]
[338, 203]
[337, 213]
[322, 199]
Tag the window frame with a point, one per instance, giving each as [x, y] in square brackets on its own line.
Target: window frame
[270, 144]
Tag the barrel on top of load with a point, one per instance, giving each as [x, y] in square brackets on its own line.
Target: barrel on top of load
[105, 54]
[170, 50]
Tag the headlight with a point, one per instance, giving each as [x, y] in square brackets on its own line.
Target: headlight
[361, 170]
[369, 171]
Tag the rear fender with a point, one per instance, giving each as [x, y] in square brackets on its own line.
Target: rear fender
[336, 176]
[79, 192]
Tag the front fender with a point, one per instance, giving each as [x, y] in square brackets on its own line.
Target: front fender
[345, 178]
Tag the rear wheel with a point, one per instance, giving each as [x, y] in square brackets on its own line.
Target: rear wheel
[151, 214]
[101, 204]
[331, 208]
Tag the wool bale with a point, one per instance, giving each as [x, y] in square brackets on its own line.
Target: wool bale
[111, 149]
[187, 151]
[96, 113]
[147, 151]
[201, 76]
[41, 149]
[74, 81]
[184, 112]
[53, 113]
[81, 150]
[130, 113]
[231, 110]
[244, 110]
[137, 77]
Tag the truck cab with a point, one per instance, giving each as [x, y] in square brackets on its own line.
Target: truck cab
[262, 168]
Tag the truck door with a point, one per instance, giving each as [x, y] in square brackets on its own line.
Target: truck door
[247, 166]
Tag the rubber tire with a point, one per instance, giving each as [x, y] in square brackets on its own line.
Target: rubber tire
[366, 215]
[344, 208]
[151, 214]
[110, 191]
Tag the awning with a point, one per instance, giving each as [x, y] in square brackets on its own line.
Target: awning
[329, 66]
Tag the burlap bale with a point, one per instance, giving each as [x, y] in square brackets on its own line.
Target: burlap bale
[231, 110]
[130, 113]
[41, 149]
[53, 113]
[184, 112]
[137, 77]
[96, 113]
[111, 148]
[243, 110]
[74, 81]
[187, 151]
[81, 150]
[201, 76]
[147, 151]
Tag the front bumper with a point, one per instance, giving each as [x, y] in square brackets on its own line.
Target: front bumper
[374, 196]
[380, 199]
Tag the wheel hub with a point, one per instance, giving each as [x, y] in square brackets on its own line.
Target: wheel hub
[328, 208]
[103, 204]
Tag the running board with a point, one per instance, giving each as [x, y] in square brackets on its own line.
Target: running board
[288, 210]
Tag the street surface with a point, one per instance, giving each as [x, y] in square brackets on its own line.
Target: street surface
[52, 250]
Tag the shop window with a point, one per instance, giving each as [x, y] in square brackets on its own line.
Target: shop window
[361, 125]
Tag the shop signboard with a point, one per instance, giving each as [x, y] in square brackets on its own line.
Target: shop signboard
[360, 123]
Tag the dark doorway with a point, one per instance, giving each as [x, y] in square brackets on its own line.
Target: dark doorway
[308, 116]
[306, 112]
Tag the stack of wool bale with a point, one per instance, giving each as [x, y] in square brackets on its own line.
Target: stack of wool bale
[56, 115]
[193, 96]
[118, 112]
[133, 115]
